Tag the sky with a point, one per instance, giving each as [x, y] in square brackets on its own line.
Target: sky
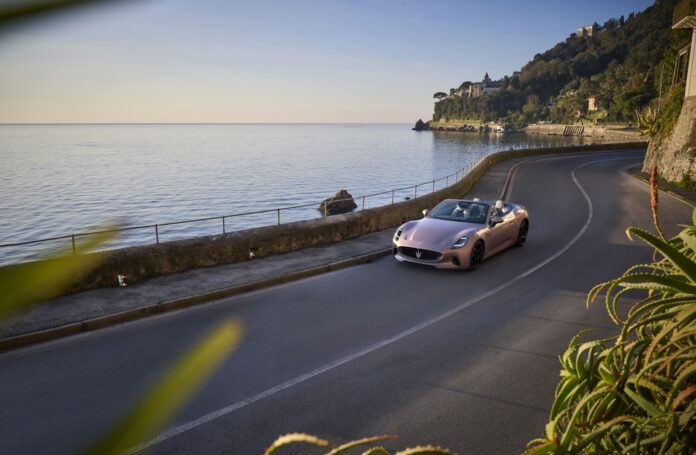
[325, 61]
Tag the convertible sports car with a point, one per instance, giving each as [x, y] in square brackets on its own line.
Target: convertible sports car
[460, 234]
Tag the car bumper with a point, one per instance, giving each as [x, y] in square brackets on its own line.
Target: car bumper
[449, 259]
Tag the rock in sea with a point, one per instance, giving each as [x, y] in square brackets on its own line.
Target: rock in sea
[421, 126]
[342, 202]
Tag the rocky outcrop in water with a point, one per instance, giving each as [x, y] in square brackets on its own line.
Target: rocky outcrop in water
[342, 202]
[421, 125]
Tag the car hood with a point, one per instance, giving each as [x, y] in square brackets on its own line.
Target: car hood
[440, 232]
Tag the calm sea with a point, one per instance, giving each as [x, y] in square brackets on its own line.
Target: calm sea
[61, 179]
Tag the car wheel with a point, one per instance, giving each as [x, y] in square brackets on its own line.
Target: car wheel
[477, 254]
[522, 234]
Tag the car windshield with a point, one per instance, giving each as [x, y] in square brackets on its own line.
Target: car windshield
[464, 211]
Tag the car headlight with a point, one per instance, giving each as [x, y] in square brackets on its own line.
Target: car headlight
[398, 233]
[461, 242]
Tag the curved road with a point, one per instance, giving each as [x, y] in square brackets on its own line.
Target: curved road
[466, 360]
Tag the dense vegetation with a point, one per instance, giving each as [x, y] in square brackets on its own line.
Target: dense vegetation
[628, 65]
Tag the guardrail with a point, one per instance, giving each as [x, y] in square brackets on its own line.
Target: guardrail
[432, 186]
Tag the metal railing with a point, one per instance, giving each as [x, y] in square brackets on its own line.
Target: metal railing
[389, 195]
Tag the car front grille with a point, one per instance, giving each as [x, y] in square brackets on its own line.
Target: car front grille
[420, 255]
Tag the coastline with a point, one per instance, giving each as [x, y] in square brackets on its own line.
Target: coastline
[605, 132]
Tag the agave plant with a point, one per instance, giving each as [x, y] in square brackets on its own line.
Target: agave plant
[635, 392]
[646, 120]
[297, 438]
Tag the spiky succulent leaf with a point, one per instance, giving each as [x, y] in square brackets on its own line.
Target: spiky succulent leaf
[359, 442]
[376, 451]
[295, 438]
[636, 392]
[425, 450]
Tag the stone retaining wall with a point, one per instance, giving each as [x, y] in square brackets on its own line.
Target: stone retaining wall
[594, 131]
[675, 155]
[608, 132]
[141, 262]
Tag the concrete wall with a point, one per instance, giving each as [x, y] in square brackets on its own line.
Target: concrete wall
[587, 130]
[675, 156]
[608, 132]
[546, 129]
[142, 262]
[454, 124]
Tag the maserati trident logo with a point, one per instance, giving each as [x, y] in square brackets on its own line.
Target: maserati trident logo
[418, 254]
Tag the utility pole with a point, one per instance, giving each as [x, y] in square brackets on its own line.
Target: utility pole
[659, 99]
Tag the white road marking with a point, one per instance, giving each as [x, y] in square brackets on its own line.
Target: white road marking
[175, 431]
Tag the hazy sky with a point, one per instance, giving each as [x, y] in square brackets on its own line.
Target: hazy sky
[272, 61]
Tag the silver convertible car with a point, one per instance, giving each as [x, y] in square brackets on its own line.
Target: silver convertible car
[460, 234]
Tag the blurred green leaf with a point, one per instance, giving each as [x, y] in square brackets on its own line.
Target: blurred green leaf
[173, 391]
[32, 282]
[12, 11]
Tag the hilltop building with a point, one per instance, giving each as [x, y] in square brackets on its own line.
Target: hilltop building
[487, 85]
[587, 30]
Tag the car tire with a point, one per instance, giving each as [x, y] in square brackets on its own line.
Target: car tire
[478, 252]
[522, 233]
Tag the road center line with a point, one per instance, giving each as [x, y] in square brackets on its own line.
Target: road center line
[175, 431]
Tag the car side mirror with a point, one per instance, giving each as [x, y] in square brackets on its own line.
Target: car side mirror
[425, 212]
[495, 219]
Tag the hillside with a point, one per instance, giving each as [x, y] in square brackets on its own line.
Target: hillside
[626, 65]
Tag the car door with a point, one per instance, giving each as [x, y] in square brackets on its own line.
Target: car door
[502, 233]
[496, 234]
[510, 224]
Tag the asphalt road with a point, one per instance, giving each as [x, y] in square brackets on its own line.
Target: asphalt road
[466, 360]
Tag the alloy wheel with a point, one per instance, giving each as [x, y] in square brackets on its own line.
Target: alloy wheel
[522, 235]
[476, 255]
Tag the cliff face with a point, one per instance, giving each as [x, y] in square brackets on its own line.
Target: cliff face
[675, 155]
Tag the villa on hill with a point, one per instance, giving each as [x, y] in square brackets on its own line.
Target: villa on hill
[485, 86]
[588, 30]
